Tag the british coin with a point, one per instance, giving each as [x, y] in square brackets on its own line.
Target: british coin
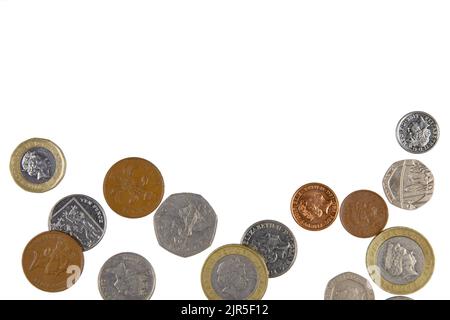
[364, 213]
[408, 184]
[349, 286]
[126, 276]
[52, 261]
[81, 217]
[185, 224]
[37, 165]
[400, 260]
[399, 298]
[234, 272]
[275, 242]
[314, 206]
[133, 187]
[417, 132]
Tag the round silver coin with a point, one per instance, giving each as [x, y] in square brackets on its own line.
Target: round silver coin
[349, 286]
[417, 132]
[408, 184]
[38, 165]
[185, 224]
[81, 217]
[126, 276]
[275, 242]
[399, 298]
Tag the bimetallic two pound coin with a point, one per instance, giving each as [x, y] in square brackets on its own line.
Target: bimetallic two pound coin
[400, 260]
[53, 261]
[417, 132]
[133, 187]
[314, 206]
[234, 272]
[349, 286]
[37, 165]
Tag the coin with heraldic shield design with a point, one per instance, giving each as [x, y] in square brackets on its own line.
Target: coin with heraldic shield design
[37, 165]
[133, 187]
[400, 260]
[417, 132]
[349, 286]
[185, 224]
[364, 213]
[408, 184]
[53, 261]
[81, 217]
[234, 272]
[126, 276]
[314, 206]
[275, 242]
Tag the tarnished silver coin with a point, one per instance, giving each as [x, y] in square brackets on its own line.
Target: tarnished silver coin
[408, 184]
[126, 276]
[185, 224]
[417, 132]
[275, 242]
[349, 286]
[81, 217]
[399, 298]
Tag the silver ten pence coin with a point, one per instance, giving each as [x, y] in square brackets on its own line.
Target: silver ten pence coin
[275, 242]
[408, 184]
[349, 286]
[185, 224]
[81, 217]
[126, 276]
[417, 132]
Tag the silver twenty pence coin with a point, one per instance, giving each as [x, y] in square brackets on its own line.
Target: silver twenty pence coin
[81, 217]
[185, 224]
[275, 242]
[349, 286]
[417, 132]
[408, 184]
[126, 276]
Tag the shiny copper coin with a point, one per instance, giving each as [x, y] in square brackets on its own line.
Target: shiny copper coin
[133, 187]
[314, 206]
[53, 261]
[364, 213]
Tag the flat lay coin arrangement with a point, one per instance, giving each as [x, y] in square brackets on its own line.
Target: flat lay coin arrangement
[399, 260]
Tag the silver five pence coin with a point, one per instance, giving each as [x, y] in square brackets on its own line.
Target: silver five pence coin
[417, 132]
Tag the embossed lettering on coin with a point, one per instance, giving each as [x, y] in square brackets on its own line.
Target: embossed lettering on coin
[185, 224]
[275, 242]
[349, 286]
[51, 259]
[81, 217]
[126, 276]
[417, 132]
[408, 184]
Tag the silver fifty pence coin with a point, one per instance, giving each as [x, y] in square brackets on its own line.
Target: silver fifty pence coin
[126, 276]
[81, 217]
[349, 286]
[417, 132]
[185, 224]
[275, 242]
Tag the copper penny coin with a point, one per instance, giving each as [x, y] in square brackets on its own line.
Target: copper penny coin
[53, 261]
[364, 213]
[133, 187]
[314, 206]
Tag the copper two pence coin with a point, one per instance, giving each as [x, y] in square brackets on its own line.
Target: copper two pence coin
[133, 187]
[364, 213]
[53, 261]
[314, 206]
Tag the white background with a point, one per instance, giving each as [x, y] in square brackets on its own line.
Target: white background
[240, 101]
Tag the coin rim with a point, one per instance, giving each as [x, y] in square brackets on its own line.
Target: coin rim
[85, 196]
[399, 289]
[282, 225]
[294, 211]
[346, 276]
[397, 135]
[237, 249]
[158, 203]
[47, 233]
[15, 165]
[149, 296]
